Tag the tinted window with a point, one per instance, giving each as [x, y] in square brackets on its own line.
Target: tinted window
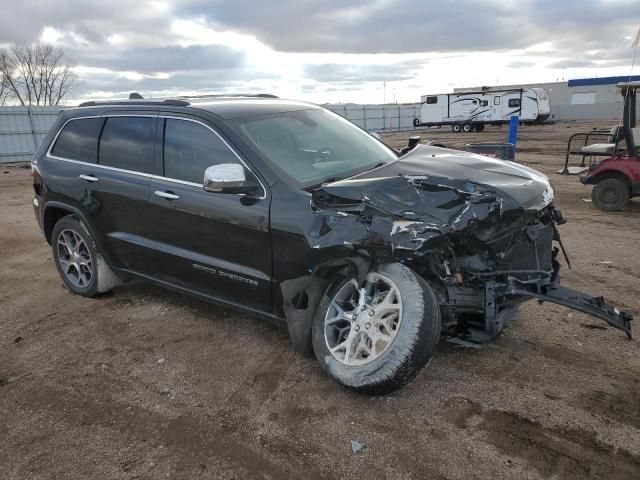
[431, 100]
[190, 148]
[127, 142]
[78, 140]
[514, 102]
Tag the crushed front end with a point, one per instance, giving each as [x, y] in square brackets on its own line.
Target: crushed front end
[494, 265]
[481, 232]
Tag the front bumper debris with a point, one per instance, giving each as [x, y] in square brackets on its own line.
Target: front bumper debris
[596, 306]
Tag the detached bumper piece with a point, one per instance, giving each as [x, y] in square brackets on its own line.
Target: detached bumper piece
[596, 306]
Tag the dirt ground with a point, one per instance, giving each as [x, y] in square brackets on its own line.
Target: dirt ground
[145, 383]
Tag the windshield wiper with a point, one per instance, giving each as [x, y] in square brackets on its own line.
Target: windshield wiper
[377, 165]
[335, 179]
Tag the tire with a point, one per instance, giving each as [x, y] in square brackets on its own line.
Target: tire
[414, 331]
[416, 122]
[85, 273]
[467, 127]
[610, 194]
[479, 127]
[456, 128]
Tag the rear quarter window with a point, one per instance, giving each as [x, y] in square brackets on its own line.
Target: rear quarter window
[78, 140]
[127, 143]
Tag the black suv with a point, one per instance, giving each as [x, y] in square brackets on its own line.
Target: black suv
[288, 211]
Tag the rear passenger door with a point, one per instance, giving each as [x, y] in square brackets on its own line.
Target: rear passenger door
[115, 190]
[211, 243]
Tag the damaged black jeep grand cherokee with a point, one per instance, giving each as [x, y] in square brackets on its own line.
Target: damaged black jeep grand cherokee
[288, 211]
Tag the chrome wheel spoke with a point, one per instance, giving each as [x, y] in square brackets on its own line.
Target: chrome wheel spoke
[362, 322]
[74, 258]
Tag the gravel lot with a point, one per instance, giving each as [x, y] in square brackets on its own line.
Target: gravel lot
[145, 383]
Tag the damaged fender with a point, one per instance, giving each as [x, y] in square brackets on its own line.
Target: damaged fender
[303, 294]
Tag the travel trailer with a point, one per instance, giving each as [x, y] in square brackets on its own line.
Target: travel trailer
[467, 111]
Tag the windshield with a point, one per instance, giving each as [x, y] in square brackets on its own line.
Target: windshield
[314, 146]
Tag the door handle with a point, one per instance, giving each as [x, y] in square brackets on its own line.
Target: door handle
[88, 178]
[167, 195]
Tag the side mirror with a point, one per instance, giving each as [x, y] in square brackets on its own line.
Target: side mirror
[228, 178]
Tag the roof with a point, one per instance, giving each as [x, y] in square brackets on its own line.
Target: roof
[583, 82]
[230, 108]
[224, 107]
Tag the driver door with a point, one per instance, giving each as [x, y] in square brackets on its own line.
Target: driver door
[216, 244]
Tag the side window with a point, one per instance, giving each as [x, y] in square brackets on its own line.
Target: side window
[496, 100]
[432, 100]
[484, 103]
[514, 102]
[127, 142]
[78, 140]
[190, 148]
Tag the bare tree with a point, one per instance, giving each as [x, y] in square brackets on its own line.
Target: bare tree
[4, 90]
[36, 74]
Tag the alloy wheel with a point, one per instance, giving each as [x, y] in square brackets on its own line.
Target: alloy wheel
[362, 322]
[74, 258]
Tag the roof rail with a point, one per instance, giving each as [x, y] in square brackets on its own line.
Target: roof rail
[231, 95]
[167, 101]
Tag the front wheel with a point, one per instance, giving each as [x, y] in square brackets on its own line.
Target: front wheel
[610, 194]
[376, 337]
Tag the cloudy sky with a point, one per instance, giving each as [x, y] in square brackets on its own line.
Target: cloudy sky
[326, 50]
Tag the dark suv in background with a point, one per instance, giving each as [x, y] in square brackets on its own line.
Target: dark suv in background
[288, 211]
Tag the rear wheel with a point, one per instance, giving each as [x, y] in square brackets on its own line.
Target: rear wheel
[377, 336]
[610, 194]
[479, 127]
[416, 122]
[456, 128]
[467, 127]
[83, 270]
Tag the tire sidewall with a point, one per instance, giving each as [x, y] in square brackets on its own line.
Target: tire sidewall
[72, 223]
[409, 350]
[610, 183]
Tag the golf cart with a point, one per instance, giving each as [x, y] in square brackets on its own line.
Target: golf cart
[616, 178]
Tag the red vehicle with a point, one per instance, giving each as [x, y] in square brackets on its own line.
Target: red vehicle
[617, 178]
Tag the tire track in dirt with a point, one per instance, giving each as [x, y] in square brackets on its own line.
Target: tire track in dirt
[196, 439]
[567, 453]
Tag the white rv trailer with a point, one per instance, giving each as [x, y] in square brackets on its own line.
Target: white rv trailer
[466, 111]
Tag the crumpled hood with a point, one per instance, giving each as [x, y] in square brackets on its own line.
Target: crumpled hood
[446, 187]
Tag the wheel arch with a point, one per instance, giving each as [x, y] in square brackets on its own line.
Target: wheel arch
[302, 295]
[611, 173]
[52, 214]
[615, 174]
[54, 211]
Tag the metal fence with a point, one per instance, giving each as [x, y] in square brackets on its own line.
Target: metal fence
[22, 129]
[379, 118]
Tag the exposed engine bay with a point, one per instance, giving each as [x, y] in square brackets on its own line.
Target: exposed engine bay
[482, 245]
